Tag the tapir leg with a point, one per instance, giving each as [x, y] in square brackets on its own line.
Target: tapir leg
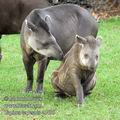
[79, 93]
[78, 88]
[42, 65]
[28, 63]
[90, 86]
[55, 82]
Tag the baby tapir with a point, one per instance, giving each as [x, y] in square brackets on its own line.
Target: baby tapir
[77, 73]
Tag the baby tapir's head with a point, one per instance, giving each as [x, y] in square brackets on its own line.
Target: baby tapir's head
[89, 51]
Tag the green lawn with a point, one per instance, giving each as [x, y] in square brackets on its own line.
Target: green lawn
[102, 104]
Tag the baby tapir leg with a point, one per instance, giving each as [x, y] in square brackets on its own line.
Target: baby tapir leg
[91, 84]
[55, 83]
[78, 88]
[55, 79]
[79, 93]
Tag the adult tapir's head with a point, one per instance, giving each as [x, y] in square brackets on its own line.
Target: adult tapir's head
[40, 37]
[89, 52]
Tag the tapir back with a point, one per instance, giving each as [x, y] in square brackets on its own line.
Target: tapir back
[65, 21]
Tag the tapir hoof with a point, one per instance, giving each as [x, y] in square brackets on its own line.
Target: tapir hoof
[80, 105]
[29, 86]
[39, 88]
[28, 89]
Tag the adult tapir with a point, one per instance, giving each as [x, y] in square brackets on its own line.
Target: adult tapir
[48, 32]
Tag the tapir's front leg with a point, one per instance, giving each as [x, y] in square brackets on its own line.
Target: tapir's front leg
[78, 88]
[28, 63]
[42, 65]
[79, 93]
[89, 84]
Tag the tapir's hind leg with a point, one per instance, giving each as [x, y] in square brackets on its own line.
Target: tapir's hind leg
[55, 83]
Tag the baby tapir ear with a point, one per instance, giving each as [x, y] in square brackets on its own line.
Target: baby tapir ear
[99, 40]
[80, 39]
[31, 26]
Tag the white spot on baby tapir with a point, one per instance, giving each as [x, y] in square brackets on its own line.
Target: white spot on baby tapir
[84, 60]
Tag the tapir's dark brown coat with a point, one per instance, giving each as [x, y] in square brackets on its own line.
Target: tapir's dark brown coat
[13, 12]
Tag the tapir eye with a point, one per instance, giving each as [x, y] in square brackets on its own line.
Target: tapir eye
[45, 44]
[86, 56]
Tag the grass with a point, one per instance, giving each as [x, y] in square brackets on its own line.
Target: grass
[102, 104]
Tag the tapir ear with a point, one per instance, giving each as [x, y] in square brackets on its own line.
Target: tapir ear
[47, 18]
[80, 39]
[99, 40]
[31, 26]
